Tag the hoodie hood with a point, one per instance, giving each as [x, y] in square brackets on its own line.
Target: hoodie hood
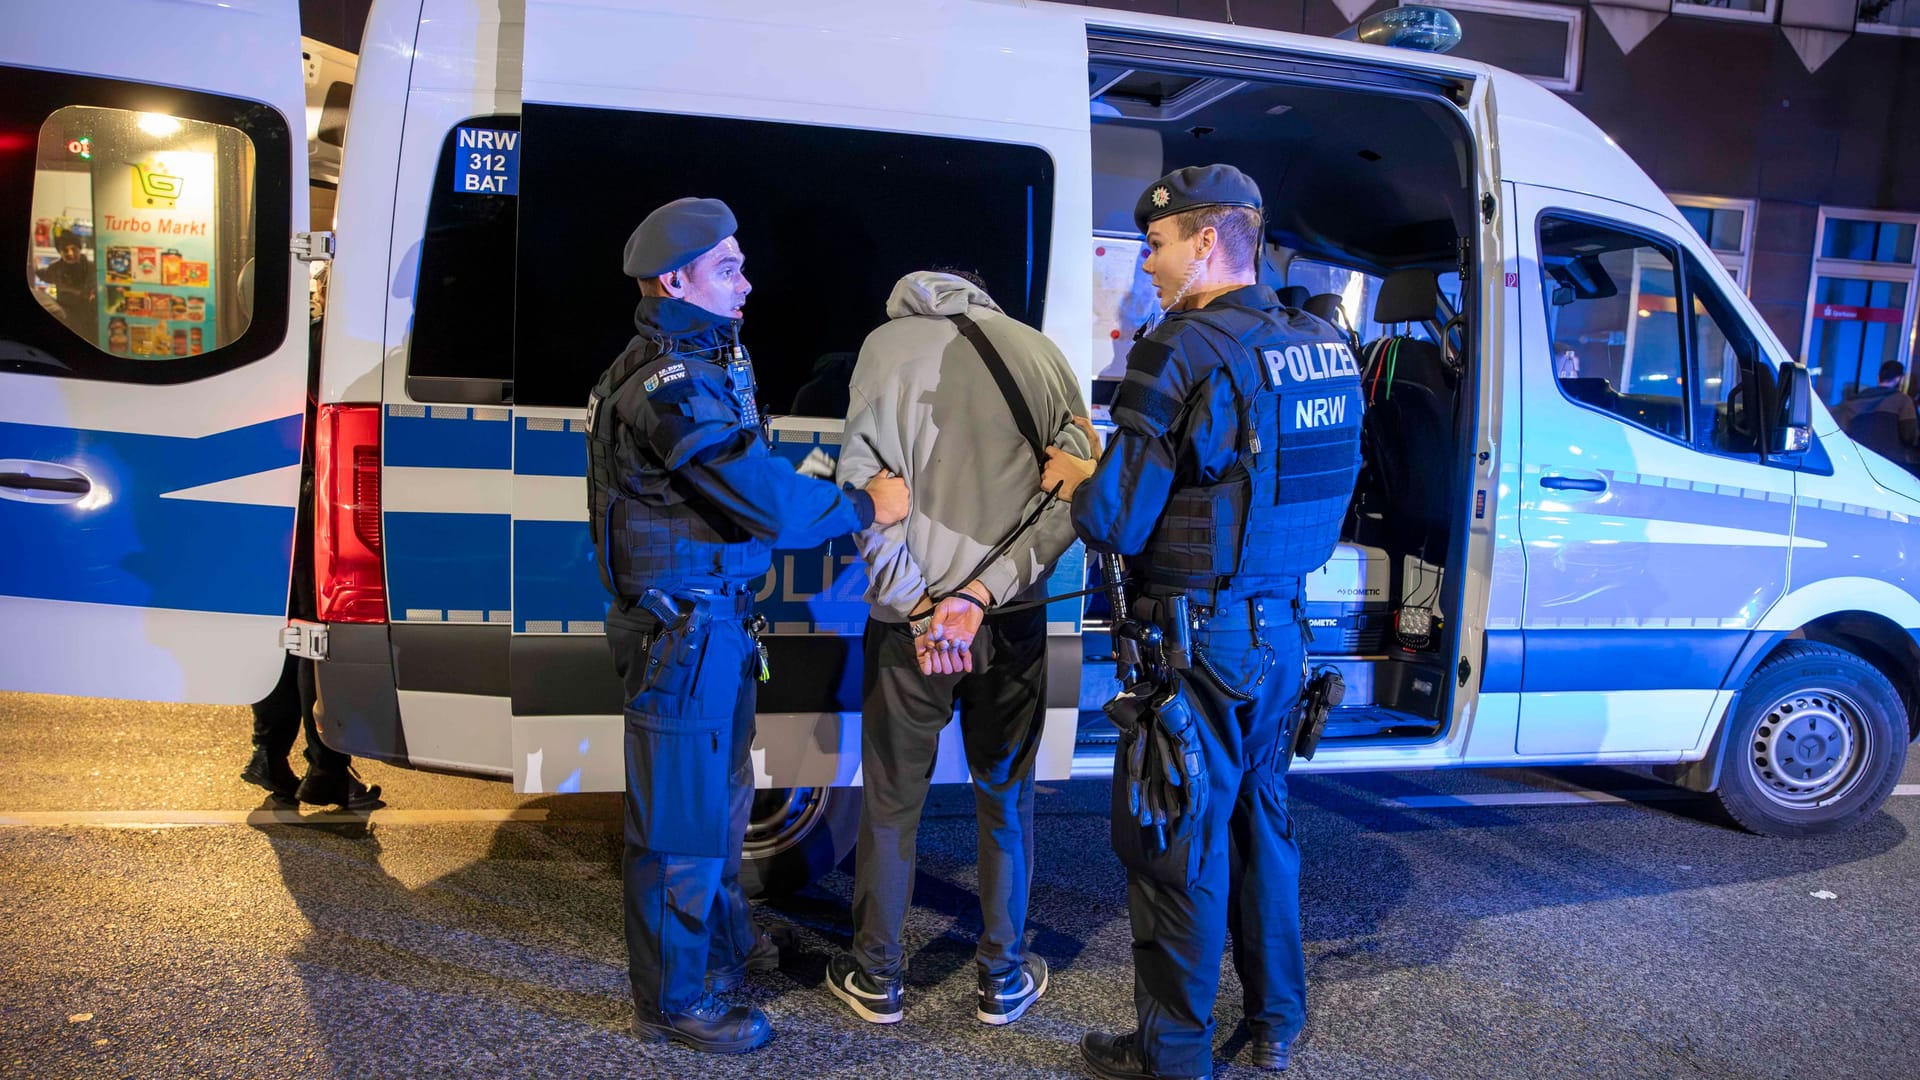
[925, 292]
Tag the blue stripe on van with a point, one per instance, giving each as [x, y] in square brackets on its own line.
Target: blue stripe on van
[555, 580]
[446, 562]
[138, 549]
[540, 451]
[445, 442]
[1600, 660]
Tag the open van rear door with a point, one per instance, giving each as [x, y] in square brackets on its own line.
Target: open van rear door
[153, 346]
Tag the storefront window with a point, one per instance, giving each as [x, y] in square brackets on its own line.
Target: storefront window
[1889, 17]
[1747, 10]
[1856, 326]
[1860, 310]
[1727, 227]
[1861, 240]
[140, 242]
[1541, 41]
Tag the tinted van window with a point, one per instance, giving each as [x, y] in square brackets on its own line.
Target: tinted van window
[829, 219]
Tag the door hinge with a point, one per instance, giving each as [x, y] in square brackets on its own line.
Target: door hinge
[305, 639]
[313, 246]
[1465, 670]
[1486, 208]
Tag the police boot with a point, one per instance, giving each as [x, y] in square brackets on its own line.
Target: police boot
[1269, 1055]
[708, 1025]
[764, 957]
[1117, 1057]
[338, 789]
[272, 773]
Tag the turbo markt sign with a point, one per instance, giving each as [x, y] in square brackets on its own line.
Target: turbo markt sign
[155, 232]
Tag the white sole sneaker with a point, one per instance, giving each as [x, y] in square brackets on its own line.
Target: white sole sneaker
[860, 1005]
[998, 1019]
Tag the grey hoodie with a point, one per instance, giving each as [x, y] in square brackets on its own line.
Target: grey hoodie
[924, 405]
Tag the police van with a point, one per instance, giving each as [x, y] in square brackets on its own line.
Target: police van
[1604, 516]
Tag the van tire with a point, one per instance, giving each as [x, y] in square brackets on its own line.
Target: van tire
[797, 836]
[1815, 745]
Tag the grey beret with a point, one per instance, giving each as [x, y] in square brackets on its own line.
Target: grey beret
[676, 234]
[1194, 187]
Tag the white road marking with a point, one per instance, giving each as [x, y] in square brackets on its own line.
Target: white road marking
[174, 819]
[1558, 798]
[169, 819]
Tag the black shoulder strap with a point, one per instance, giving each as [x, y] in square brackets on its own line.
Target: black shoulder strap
[1016, 401]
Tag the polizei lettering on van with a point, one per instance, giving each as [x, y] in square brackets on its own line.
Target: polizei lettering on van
[1310, 362]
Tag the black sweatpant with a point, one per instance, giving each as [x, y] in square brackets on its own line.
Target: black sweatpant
[1002, 712]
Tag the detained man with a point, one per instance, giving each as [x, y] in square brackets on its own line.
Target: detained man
[949, 613]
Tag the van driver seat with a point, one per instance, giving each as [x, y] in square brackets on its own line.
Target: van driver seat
[1405, 498]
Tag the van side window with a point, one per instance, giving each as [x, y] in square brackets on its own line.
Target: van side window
[141, 213]
[829, 219]
[462, 345]
[1735, 388]
[1613, 318]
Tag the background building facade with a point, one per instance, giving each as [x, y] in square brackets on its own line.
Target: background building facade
[1785, 128]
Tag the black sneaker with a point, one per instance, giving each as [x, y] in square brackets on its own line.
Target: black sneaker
[1273, 1056]
[764, 957]
[708, 1025]
[338, 789]
[1117, 1057]
[871, 1000]
[272, 773]
[1006, 999]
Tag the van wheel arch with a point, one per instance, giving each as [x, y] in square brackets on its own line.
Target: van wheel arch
[1879, 641]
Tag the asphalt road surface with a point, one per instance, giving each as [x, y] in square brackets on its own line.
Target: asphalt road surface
[157, 919]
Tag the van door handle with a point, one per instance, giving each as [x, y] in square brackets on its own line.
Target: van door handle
[42, 482]
[1573, 483]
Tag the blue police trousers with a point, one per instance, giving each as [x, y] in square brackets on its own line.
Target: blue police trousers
[689, 729]
[1237, 867]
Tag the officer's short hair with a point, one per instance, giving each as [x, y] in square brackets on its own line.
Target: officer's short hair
[654, 287]
[1237, 226]
[1892, 369]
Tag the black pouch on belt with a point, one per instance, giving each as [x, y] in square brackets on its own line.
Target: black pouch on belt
[1322, 695]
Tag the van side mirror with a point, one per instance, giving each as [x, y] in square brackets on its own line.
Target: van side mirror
[1793, 430]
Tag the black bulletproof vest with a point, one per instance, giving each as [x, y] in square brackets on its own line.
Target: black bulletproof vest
[650, 531]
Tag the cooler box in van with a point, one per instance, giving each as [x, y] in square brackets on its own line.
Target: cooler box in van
[1347, 602]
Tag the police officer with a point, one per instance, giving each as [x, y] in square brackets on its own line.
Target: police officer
[1227, 480]
[686, 504]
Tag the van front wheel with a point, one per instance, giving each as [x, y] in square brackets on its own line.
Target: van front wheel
[795, 836]
[1816, 744]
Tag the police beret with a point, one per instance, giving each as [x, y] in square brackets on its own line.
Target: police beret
[676, 234]
[1194, 187]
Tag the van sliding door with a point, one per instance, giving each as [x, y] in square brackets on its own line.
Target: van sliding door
[846, 166]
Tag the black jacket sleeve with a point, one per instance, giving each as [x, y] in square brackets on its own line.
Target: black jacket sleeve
[1176, 422]
[693, 425]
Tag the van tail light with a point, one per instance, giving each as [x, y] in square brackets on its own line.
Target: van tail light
[349, 576]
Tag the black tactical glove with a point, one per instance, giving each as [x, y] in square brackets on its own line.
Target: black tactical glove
[1183, 762]
[1128, 712]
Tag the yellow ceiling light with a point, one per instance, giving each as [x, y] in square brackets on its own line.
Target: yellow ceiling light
[159, 125]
